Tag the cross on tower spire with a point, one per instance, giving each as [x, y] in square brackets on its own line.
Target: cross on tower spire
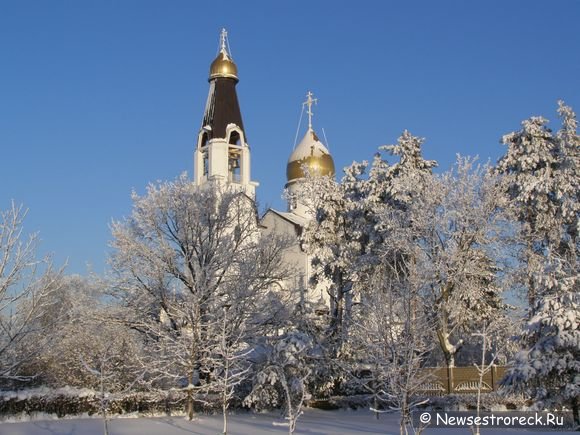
[223, 41]
[309, 102]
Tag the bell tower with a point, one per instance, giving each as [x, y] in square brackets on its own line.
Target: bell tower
[222, 154]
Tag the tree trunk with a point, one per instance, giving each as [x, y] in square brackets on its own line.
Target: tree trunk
[531, 296]
[575, 411]
[225, 400]
[105, 423]
[104, 402]
[189, 404]
[404, 415]
[446, 347]
[224, 409]
[338, 311]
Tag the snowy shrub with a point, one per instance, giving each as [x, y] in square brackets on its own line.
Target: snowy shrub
[74, 402]
[288, 369]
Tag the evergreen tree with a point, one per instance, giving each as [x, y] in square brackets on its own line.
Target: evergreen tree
[544, 186]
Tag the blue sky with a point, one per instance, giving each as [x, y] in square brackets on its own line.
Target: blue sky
[101, 97]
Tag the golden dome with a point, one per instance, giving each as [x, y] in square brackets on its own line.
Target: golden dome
[312, 154]
[223, 66]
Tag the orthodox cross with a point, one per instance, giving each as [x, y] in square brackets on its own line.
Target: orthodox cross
[223, 42]
[309, 101]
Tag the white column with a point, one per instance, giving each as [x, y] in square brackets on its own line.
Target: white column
[218, 159]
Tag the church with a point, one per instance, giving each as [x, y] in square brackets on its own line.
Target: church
[222, 155]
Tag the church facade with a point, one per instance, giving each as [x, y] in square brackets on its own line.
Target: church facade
[222, 155]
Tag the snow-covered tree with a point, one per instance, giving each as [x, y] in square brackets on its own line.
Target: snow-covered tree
[185, 253]
[390, 342]
[347, 230]
[491, 351]
[463, 235]
[547, 369]
[288, 369]
[229, 362]
[456, 220]
[451, 231]
[410, 178]
[334, 246]
[105, 361]
[436, 245]
[89, 330]
[26, 284]
[543, 171]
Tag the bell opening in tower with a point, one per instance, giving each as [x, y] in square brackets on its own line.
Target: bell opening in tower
[204, 139]
[235, 138]
[234, 166]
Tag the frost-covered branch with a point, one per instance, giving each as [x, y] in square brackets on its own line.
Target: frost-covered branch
[26, 285]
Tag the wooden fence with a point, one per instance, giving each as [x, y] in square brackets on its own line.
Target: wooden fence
[460, 380]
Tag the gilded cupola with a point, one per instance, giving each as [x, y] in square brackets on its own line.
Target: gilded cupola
[223, 65]
[310, 154]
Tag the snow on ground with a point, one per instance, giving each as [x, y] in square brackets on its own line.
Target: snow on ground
[313, 422]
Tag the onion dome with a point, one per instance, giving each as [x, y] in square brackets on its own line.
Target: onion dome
[311, 154]
[223, 65]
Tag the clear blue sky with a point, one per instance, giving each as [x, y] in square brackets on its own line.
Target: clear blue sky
[101, 97]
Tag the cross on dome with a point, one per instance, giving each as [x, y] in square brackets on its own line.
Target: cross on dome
[309, 102]
[223, 41]
[223, 66]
